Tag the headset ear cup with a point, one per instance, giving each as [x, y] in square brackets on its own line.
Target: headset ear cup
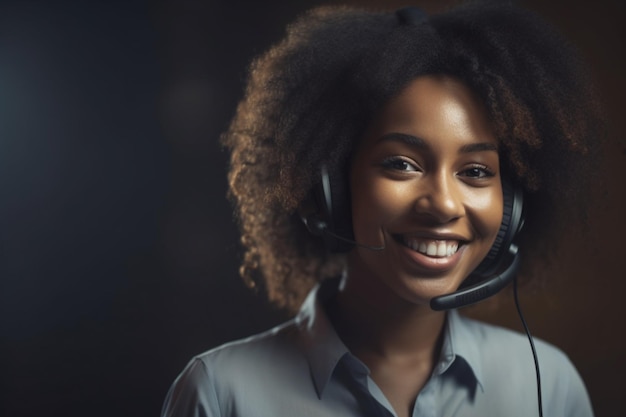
[341, 215]
[512, 221]
[331, 217]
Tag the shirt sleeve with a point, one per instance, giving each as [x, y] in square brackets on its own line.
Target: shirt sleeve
[578, 402]
[192, 394]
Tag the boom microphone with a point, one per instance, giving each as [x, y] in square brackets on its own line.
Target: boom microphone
[319, 227]
[483, 289]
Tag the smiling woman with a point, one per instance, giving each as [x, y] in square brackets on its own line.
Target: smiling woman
[380, 161]
[425, 179]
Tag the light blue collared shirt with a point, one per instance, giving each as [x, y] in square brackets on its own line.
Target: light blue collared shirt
[303, 369]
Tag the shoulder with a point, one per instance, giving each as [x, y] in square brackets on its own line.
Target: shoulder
[506, 355]
[253, 354]
[513, 348]
[212, 382]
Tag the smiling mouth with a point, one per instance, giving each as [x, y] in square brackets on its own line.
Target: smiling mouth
[430, 247]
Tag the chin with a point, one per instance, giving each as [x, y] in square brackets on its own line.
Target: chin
[419, 291]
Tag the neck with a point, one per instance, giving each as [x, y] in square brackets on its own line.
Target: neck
[371, 320]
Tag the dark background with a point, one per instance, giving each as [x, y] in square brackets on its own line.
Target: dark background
[118, 253]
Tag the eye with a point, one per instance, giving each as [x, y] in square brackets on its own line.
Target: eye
[398, 163]
[477, 172]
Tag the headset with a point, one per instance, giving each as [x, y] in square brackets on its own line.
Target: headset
[332, 221]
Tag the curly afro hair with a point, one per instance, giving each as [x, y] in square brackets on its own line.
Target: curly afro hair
[310, 97]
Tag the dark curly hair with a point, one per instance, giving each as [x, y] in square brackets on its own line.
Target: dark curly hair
[311, 96]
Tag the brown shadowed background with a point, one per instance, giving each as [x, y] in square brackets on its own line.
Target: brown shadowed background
[118, 251]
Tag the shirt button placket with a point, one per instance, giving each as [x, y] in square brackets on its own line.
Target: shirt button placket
[425, 402]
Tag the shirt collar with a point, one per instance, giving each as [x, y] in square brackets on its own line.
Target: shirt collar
[324, 349]
[322, 346]
[460, 342]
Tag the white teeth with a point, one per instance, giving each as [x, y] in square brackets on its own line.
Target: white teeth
[441, 249]
[434, 248]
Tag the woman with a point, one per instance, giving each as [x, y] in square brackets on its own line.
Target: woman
[376, 163]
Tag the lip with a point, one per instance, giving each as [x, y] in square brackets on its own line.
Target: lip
[425, 265]
[432, 236]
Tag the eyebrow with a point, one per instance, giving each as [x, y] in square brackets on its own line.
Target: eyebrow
[421, 143]
[478, 147]
[403, 137]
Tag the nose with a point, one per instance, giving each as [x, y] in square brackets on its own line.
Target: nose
[440, 199]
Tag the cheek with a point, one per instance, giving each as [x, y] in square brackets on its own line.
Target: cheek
[377, 202]
[486, 208]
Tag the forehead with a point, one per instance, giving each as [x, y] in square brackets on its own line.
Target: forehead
[433, 105]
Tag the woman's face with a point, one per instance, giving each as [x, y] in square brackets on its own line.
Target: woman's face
[425, 181]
